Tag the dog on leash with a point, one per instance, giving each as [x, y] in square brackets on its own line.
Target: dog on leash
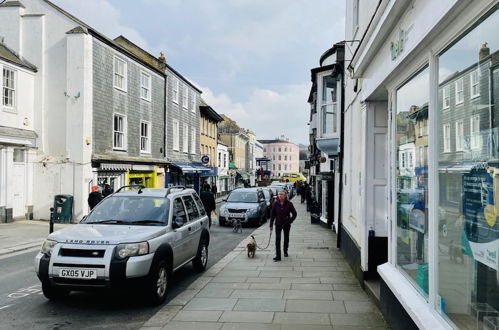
[251, 247]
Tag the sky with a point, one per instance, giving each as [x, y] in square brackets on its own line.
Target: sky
[251, 58]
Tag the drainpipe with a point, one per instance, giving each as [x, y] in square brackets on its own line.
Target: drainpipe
[340, 157]
[167, 171]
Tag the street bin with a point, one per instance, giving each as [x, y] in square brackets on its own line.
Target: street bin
[63, 208]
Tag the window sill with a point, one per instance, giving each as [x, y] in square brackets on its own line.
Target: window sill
[120, 150]
[142, 152]
[9, 109]
[144, 99]
[120, 89]
[460, 103]
[415, 305]
[176, 102]
[474, 96]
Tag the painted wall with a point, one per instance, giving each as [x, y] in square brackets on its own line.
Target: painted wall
[290, 157]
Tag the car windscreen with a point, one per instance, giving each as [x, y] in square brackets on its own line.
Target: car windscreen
[243, 197]
[132, 210]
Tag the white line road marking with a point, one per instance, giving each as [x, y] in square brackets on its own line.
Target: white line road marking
[4, 307]
[24, 292]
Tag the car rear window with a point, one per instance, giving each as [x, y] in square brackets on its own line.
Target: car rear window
[243, 196]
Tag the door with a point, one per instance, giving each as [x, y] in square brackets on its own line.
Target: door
[181, 250]
[18, 190]
[194, 225]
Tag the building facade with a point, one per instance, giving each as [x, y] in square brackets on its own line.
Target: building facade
[421, 159]
[209, 142]
[225, 179]
[283, 155]
[17, 135]
[236, 140]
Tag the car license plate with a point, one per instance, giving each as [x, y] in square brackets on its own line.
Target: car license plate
[79, 273]
[236, 215]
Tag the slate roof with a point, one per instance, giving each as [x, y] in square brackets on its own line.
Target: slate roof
[9, 55]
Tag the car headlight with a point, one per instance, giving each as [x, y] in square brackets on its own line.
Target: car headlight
[132, 249]
[223, 211]
[47, 247]
[252, 211]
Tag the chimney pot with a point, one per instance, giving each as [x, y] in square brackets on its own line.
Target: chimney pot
[484, 51]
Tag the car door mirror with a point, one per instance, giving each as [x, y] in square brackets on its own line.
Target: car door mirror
[178, 222]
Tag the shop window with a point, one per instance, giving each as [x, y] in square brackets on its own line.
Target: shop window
[412, 189]
[468, 239]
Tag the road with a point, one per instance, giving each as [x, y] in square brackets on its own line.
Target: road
[23, 306]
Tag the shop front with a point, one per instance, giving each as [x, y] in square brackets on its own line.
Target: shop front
[209, 176]
[442, 83]
[185, 174]
[117, 175]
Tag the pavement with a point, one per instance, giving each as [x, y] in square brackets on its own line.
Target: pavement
[314, 288]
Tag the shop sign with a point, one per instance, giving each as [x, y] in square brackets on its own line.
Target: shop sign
[397, 45]
[205, 159]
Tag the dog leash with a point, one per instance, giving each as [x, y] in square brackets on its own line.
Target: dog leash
[268, 243]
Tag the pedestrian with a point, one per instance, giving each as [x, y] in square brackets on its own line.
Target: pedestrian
[208, 201]
[308, 196]
[107, 190]
[214, 189]
[283, 213]
[94, 197]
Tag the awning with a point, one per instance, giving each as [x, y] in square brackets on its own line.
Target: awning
[210, 171]
[461, 167]
[191, 168]
[115, 167]
[244, 175]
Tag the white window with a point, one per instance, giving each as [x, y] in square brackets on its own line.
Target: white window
[185, 93]
[120, 74]
[411, 164]
[459, 91]
[328, 104]
[447, 138]
[175, 88]
[279, 167]
[9, 88]
[193, 101]
[446, 97]
[285, 157]
[225, 160]
[145, 86]
[119, 130]
[421, 157]
[459, 135]
[289, 157]
[475, 142]
[176, 136]
[185, 143]
[193, 141]
[286, 149]
[474, 86]
[145, 137]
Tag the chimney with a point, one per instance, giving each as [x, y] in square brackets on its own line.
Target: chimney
[484, 51]
[162, 57]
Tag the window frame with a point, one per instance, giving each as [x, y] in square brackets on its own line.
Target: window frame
[124, 75]
[185, 96]
[148, 137]
[446, 96]
[124, 132]
[185, 138]
[176, 135]
[193, 139]
[175, 89]
[459, 135]
[146, 88]
[10, 107]
[193, 101]
[475, 138]
[446, 135]
[461, 92]
[475, 73]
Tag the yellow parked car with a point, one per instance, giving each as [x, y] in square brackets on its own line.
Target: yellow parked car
[293, 177]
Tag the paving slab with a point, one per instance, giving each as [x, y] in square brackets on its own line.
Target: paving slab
[302, 318]
[307, 294]
[315, 306]
[247, 317]
[211, 304]
[203, 316]
[175, 325]
[260, 305]
[251, 326]
[262, 294]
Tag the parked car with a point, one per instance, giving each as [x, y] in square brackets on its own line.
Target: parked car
[246, 204]
[293, 177]
[282, 186]
[131, 239]
[270, 197]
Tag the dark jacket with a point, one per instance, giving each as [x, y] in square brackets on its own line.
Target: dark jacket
[214, 189]
[208, 200]
[94, 198]
[282, 214]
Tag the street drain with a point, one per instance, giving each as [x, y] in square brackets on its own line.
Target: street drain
[317, 247]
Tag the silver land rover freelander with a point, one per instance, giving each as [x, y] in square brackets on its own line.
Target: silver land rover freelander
[134, 238]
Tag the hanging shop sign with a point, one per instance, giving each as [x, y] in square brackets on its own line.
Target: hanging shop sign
[397, 45]
[205, 159]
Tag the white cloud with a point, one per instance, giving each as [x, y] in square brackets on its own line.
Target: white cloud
[267, 112]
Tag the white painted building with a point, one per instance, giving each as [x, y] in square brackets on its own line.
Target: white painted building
[18, 140]
[224, 180]
[421, 210]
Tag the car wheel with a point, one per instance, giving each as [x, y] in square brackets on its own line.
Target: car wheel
[53, 293]
[199, 263]
[221, 223]
[157, 284]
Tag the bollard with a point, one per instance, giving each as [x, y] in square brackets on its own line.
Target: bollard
[51, 221]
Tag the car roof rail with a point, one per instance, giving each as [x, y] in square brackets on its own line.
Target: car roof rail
[130, 186]
[173, 187]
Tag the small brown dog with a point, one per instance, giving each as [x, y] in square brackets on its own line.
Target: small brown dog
[251, 247]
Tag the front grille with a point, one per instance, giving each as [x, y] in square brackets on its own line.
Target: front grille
[236, 211]
[78, 265]
[60, 280]
[82, 253]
